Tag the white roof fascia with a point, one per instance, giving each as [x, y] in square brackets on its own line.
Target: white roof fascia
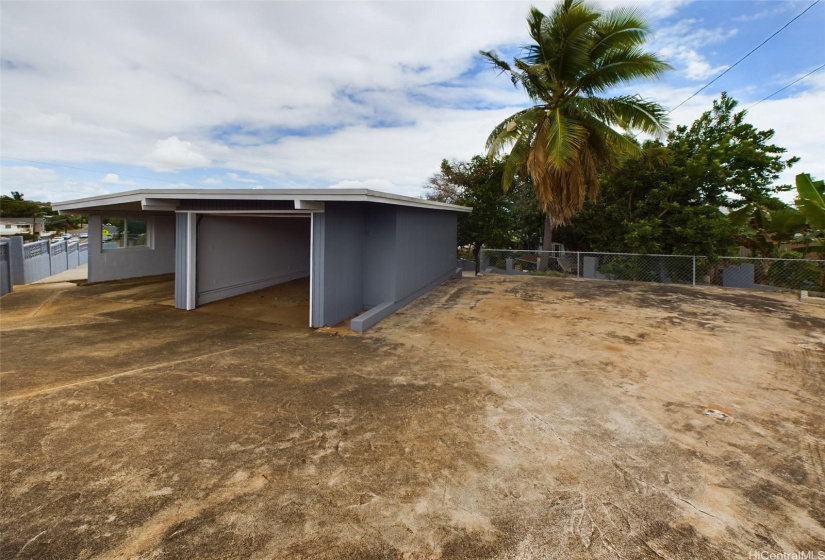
[152, 197]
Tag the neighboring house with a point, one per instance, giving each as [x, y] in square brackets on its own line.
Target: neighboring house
[362, 250]
[19, 226]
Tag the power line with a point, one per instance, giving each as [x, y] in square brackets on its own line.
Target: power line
[786, 87]
[90, 170]
[744, 57]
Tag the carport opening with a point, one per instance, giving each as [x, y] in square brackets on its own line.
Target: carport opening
[284, 304]
[255, 267]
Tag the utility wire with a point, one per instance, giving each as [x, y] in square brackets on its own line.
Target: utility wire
[90, 170]
[786, 87]
[744, 57]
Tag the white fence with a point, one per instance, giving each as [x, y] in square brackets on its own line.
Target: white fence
[31, 262]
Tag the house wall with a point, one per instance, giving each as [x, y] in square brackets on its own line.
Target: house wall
[426, 249]
[238, 254]
[134, 262]
[380, 256]
[341, 257]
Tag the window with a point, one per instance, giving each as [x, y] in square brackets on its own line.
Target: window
[123, 233]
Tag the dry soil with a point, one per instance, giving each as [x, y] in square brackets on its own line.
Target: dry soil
[496, 417]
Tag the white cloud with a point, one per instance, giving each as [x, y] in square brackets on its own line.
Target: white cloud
[238, 178]
[114, 179]
[374, 184]
[379, 96]
[45, 185]
[173, 154]
[680, 44]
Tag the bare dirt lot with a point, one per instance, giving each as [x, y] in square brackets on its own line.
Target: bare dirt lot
[496, 417]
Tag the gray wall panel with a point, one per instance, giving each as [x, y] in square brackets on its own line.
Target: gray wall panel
[6, 283]
[425, 248]
[118, 264]
[380, 261]
[316, 295]
[343, 258]
[180, 260]
[237, 254]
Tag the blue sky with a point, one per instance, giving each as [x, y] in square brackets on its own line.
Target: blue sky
[109, 96]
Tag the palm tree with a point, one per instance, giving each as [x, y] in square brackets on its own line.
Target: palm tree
[573, 131]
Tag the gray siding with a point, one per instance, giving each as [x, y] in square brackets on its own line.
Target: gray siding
[343, 254]
[118, 264]
[380, 258]
[237, 255]
[181, 272]
[316, 288]
[426, 248]
[6, 284]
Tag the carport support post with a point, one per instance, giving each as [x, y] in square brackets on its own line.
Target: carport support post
[186, 252]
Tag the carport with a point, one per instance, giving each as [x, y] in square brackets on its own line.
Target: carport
[366, 253]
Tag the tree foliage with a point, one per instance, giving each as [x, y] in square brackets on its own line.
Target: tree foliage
[498, 219]
[672, 198]
[726, 160]
[15, 206]
[572, 130]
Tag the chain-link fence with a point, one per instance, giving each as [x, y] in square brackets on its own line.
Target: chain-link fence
[732, 272]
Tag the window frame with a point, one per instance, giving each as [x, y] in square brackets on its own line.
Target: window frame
[150, 233]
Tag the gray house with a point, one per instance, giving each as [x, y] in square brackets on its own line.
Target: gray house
[363, 251]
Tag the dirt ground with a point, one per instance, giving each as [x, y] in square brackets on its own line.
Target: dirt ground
[496, 417]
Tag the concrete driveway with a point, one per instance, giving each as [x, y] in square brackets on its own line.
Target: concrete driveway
[494, 418]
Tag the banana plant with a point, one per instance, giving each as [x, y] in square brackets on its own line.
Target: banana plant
[764, 230]
[811, 200]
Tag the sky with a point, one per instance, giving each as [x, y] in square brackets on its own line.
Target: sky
[102, 97]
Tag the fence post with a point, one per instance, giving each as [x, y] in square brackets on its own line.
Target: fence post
[694, 270]
[578, 264]
[17, 261]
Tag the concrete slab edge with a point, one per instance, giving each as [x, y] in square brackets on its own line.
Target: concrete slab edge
[370, 318]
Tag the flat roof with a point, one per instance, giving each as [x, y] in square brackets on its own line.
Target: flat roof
[149, 199]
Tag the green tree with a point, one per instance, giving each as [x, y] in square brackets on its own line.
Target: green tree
[765, 228]
[498, 219]
[644, 207]
[673, 198]
[571, 131]
[728, 161]
[810, 200]
[15, 207]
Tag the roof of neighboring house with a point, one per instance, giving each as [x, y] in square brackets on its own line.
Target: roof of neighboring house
[169, 199]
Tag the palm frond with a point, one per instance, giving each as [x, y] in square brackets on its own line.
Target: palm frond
[505, 134]
[620, 66]
[564, 138]
[573, 131]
